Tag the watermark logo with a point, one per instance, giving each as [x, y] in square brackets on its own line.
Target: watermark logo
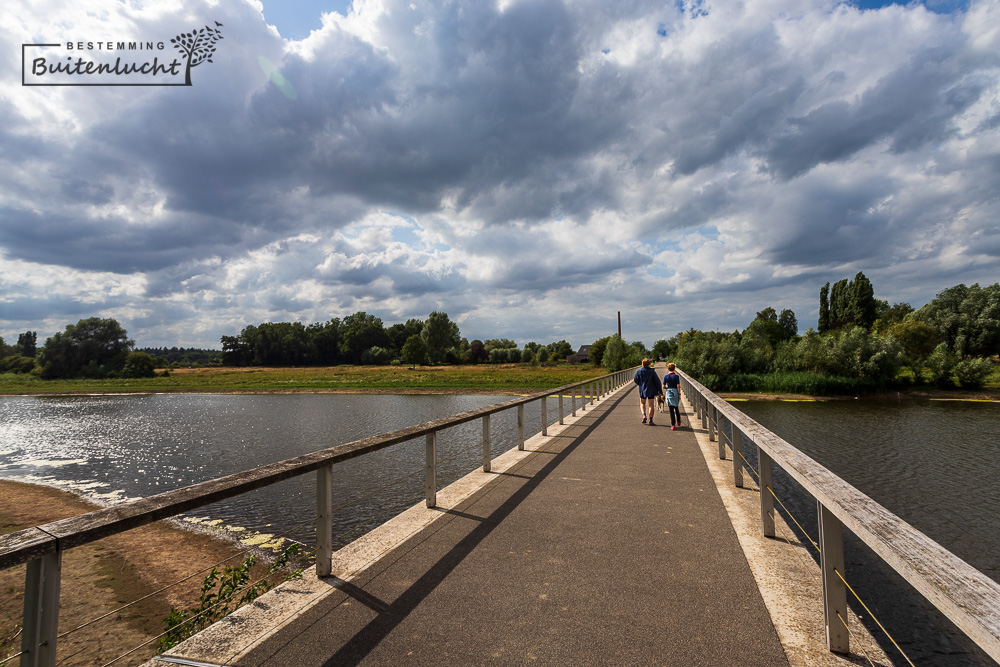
[119, 62]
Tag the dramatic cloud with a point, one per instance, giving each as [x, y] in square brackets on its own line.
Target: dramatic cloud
[528, 166]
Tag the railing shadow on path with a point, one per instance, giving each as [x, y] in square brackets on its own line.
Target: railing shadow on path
[391, 614]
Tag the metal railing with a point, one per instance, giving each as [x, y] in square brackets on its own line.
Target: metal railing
[42, 547]
[970, 599]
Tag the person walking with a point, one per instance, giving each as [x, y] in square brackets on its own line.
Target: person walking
[649, 389]
[672, 383]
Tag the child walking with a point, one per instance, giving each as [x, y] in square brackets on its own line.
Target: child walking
[672, 383]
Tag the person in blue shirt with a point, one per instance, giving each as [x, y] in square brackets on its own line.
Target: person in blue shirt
[649, 389]
[672, 383]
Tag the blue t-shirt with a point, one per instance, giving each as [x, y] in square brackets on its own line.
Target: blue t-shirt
[648, 381]
[671, 380]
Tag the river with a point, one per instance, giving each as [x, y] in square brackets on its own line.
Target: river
[933, 463]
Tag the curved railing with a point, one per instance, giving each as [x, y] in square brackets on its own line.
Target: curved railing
[42, 547]
[965, 595]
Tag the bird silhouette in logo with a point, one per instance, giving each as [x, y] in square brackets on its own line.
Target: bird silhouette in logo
[218, 24]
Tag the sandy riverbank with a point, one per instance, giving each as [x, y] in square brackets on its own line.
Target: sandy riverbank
[103, 576]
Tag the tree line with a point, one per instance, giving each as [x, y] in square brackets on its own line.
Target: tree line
[100, 348]
[860, 344]
[362, 338]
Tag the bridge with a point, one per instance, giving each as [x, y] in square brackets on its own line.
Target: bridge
[598, 540]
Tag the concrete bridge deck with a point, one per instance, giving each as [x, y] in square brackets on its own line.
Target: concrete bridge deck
[608, 543]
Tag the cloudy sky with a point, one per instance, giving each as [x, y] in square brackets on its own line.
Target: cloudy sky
[530, 167]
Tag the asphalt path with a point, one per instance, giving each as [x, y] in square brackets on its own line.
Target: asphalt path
[611, 546]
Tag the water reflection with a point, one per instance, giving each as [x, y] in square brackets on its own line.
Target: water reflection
[114, 448]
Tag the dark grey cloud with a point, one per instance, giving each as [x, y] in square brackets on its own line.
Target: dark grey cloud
[534, 155]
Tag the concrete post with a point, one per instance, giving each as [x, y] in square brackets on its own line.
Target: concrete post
[486, 443]
[545, 416]
[737, 457]
[766, 499]
[561, 409]
[831, 544]
[41, 611]
[431, 484]
[572, 401]
[324, 521]
[713, 419]
[520, 427]
[723, 437]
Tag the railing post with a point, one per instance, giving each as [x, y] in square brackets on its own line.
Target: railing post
[545, 417]
[486, 443]
[431, 485]
[561, 408]
[704, 412]
[712, 414]
[831, 544]
[592, 392]
[520, 427]
[766, 499]
[324, 521]
[737, 457]
[41, 611]
[723, 437]
[583, 398]
[572, 401]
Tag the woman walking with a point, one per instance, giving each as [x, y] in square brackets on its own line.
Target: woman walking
[672, 383]
[649, 389]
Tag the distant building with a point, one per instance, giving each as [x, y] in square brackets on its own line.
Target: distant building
[580, 356]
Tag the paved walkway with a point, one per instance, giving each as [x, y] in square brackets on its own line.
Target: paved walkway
[610, 547]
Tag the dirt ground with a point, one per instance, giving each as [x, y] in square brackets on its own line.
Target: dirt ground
[101, 577]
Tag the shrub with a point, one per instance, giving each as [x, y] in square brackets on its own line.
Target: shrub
[972, 373]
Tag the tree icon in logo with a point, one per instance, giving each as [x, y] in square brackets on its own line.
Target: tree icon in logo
[198, 46]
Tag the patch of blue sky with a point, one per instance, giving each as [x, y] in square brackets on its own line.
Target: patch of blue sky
[660, 271]
[936, 6]
[295, 19]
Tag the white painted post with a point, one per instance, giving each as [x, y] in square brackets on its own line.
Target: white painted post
[766, 499]
[324, 521]
[431, 485]
[545, 416]
[41, 611]
[520, 427]
[831, 544]
[486, 443]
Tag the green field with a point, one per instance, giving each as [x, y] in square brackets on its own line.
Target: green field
[499, 379]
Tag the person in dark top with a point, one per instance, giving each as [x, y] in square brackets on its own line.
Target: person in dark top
[672, 383]
[649, 389]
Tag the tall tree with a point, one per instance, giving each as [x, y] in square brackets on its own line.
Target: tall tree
[27, 343]
[96, 346]
[789, 324]
[824, 308]
[440, 334]
[864, 306]
[360, 331]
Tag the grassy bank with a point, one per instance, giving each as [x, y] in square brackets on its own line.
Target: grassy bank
[498, 379]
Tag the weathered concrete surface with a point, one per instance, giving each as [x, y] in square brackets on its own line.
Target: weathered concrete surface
[608, 543]
[788, 577]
